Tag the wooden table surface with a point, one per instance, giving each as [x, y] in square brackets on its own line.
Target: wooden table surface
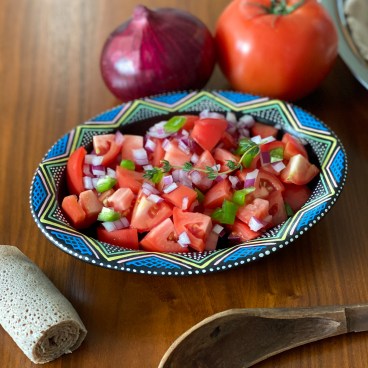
[50, 82]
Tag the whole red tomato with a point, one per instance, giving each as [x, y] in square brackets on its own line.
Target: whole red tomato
[277, 48]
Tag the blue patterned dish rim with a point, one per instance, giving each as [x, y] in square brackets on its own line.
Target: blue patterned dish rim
[49, 179]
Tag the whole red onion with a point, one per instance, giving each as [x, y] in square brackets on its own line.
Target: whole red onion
[157, 51]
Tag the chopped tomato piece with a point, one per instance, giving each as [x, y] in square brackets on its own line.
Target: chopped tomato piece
[111, 155]
[299, 171]
[147, 214]
[197, 226]
[211, 242]
[293, 146]
[243, 232]
[277, 208]
[199, 178]
[228, 141]
[268, 181]
[126, 238]
[74, 171]
[258, 208]
[102, 197]
[296, 195]
[208, 132]
[130, 143]
[74, 211]
[102, 143]
[222, 156]
[175, 155]
[264, 130]
[189, 122]
[158, 154]
[217, 194]
[91, 205]
[129, 179]
[121, 199]
[182, 196]
[163, 238]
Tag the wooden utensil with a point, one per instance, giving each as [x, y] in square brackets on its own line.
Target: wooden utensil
[239, 338]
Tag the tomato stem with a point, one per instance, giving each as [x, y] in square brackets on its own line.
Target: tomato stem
[280, 7]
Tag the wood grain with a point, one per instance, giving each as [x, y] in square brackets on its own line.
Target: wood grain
[50, 82]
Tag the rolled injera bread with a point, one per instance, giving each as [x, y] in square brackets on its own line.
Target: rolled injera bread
[35, 314]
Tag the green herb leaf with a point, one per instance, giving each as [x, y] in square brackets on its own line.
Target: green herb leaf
[187, 166]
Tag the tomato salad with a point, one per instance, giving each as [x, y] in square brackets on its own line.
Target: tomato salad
[191, 183]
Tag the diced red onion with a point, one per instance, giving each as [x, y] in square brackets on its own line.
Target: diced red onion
[98, 170]
[183, 239]
[109, 226]
[185, 133]
[158, 131]
[119, 137]
[87, 170]
[246, 121]
[93, 160]
[176, 175]
[216, 167]
[244, 132]
[87, 182]
[256, 224]
[196, 177]
[170, 188]
[95, 181]
[250, 178]
[278, 166]
[150, 145]
[218, 229]
[111, 172]
[220, 177]
[268, 139]
[208, 114]
[265, 158]
[184, 203]
[149, 188]
[234, 180]
[165, 144]
[184, 178]
[167, 180]
[234, 238]
[140, 156]
[154, 198]
[231, 117]
[194, 158]
[183, 147]
[122, 223]
[147, 167]
[257, 139]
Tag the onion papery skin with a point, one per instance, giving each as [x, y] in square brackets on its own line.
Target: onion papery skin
[157, 51]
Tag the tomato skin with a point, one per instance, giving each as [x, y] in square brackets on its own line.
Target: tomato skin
[242, 230]
[299, 171]
[303, 48]
[91, 205]
[129, 179]
[162, 238]
[217, 194]
[264, 130]
[197, 225]
[74, 211]
[296, 195]
[126, 238]
[258, 208]
[293, 146]
[208, 132]
[176, 196]
[74, 171]
[146, 214]
[277, 208]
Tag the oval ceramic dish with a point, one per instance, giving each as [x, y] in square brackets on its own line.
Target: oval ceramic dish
[49, 183]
